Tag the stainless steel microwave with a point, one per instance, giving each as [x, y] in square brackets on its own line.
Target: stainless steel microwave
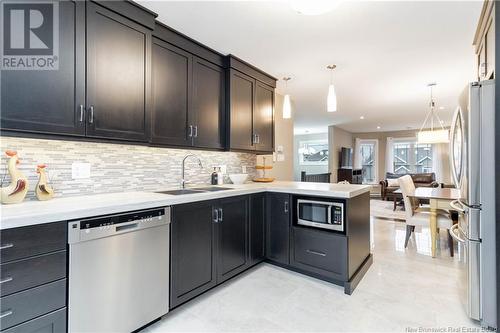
[320, 214]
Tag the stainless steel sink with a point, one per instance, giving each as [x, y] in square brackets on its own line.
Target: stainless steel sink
[180, 192]
[212, 188]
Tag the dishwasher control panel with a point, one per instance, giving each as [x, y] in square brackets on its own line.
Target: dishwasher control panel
[109, 225]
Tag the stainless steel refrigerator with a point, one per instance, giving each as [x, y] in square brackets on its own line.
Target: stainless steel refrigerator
[472, 154]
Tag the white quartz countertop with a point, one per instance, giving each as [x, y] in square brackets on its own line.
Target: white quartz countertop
[76, 207]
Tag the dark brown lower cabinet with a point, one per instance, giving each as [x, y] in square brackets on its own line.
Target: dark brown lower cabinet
[232, 254]
[278, 228]
[54, 322]
[192, 244]
[319, 252]
[257, 227]
[33, 268]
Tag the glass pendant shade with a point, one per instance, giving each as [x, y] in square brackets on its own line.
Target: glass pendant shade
[287, 107]
[433, 136]
[331, 101]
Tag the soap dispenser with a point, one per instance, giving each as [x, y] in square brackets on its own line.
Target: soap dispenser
[215, 176]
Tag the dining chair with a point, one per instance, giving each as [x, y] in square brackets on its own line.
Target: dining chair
[416, 215]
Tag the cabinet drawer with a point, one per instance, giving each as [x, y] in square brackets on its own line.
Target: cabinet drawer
[28, 273]
[320, 252]
[31, 303]
[54, 322]
[18, 243]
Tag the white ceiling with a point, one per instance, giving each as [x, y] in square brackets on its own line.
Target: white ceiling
[386, 53]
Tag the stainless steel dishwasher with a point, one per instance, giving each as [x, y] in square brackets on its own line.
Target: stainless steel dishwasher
[118, 271]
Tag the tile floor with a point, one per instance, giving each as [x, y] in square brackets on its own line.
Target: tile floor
[402, 289]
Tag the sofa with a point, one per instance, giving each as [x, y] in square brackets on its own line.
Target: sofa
[420, 180]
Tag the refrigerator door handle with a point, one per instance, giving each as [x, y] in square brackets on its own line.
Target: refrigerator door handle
[455, 234]
[457, 205]
[463, 204]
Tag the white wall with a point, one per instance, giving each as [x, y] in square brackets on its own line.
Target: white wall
[283, 137]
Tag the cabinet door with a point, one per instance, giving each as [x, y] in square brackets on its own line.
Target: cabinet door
[192, 265]
[320, 252]
[48, 101]
[242, 91]
[171, 94]
[257, 228]
[232, 255]
[117, 75]
[264, 117]
[208, 104]
[278, 227]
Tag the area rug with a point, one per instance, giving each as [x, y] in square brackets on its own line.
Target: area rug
[383, 209]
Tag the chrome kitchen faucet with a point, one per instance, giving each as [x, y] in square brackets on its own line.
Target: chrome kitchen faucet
[183, 180]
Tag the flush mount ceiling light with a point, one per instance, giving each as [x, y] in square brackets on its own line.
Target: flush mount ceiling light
[432, 135]
[331, 100]
[287, 105]
[313, 7]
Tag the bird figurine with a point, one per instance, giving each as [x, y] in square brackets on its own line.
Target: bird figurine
[16, 191]
[43, 191]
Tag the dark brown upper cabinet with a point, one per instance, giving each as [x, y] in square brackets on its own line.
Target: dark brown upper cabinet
[50, 101]
[118, 70]
[172, 80]
[209, 107]
[242, 96]
[188, 92]
[251, 104]
[101, 87]
[264, 117]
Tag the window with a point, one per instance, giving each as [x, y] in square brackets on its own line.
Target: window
[368, 162]
[411, 157]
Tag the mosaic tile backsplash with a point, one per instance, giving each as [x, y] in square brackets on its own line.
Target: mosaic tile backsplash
[115, 167]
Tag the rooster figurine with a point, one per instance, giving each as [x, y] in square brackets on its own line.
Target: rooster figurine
[16, 191]
[43, 191]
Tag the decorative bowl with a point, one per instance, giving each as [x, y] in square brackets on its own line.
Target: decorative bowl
[238, 178]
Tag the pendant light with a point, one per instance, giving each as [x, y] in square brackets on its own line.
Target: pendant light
[287, 105]
[432, 135]
[331, 100]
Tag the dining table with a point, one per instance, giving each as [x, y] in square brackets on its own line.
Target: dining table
[439, 198]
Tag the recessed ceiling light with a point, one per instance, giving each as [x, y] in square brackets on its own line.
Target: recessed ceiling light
[314, 7]
[441, 108]
[378, 127]
[362, 117]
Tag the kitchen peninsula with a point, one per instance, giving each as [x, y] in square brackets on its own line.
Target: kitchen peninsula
[214, 236]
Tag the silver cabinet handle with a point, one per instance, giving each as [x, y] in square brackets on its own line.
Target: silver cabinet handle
[91, 116]
[7, 279]
[190, 131]
[254, 138]
[196, 131]
[82, 111]
[216, 215]
[258, 138]
[6, 246]
[286, 206]
[6, 313]
[221, 216]
[316, 253]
